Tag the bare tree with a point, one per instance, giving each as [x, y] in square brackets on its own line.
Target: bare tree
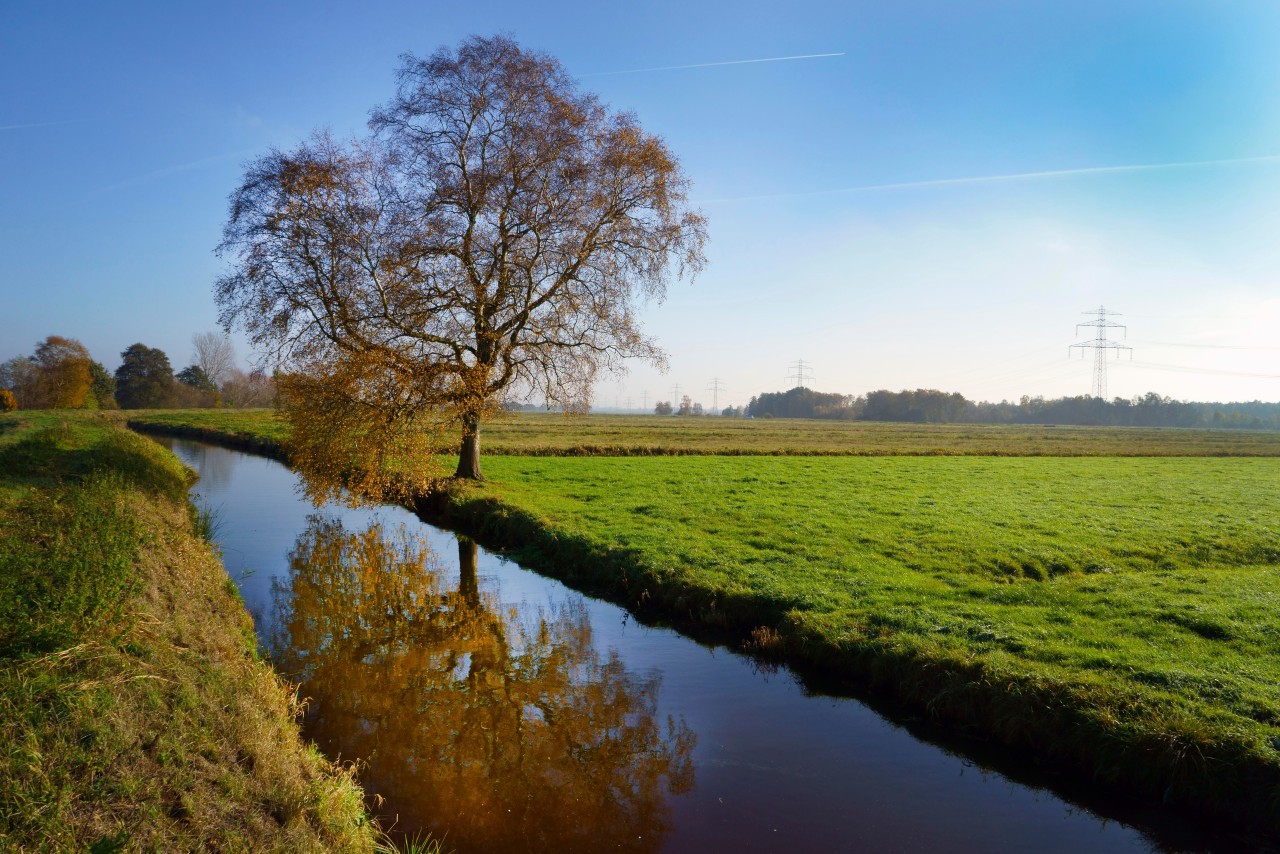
[493, 236]
[248, 390]
[214, 354]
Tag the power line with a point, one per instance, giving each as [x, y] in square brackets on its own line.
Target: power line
[1100, 345]
[1188, 369]
[1205, 346]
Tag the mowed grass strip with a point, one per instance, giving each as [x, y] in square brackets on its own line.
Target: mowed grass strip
[549, 434]
[1121, 615]
[134, 713]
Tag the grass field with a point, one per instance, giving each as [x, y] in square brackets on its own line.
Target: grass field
[1118, 614]
[1158, 576]
[538, 434]
[134, 714]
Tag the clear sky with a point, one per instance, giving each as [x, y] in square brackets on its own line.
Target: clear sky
[934, 207]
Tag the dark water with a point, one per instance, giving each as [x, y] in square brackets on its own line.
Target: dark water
[506, 712]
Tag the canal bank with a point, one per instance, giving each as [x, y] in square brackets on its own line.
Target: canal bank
[134, 711]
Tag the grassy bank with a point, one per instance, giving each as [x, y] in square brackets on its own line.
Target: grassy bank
[547, 434]
[1114, 617]
[134, 713]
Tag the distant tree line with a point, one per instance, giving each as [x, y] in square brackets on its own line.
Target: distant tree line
[1148, 410]
[931, 406]
[802, 402]
[60, 374]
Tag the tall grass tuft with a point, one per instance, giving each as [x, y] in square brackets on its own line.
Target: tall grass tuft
[205, 520]
[418, 843]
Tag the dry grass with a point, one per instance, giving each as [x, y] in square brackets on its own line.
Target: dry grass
[548, 434]
[157, 728]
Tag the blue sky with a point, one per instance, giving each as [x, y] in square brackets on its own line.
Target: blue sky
[839, 233]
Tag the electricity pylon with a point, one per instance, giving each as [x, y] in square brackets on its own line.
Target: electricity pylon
[715, 388]
[802, 373]
[1100, 345]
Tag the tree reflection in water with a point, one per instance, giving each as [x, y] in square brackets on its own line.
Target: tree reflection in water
[501, 727]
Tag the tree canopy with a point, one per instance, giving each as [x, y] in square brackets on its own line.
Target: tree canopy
[195, 376]
[801, 402]
[495, 232]
[102, 386]
[63, 369]
[144, 379]
[58, 375]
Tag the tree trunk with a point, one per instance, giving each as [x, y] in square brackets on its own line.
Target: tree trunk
[468, 579]
[469, 458]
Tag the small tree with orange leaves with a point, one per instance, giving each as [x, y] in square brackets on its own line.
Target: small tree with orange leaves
[493, 236]
[57, 376]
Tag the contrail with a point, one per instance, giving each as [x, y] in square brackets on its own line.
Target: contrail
[43, 124]
[167, 171]
[714, 64]
[1016, 176]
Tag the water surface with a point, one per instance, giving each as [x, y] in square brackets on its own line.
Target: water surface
[507, 712]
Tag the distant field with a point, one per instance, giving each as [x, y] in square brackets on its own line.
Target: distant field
[538, 434]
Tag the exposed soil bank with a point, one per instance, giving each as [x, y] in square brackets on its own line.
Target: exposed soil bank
[134, 711]
[1097, 734]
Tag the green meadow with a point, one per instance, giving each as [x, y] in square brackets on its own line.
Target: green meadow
[552, 434]
[1160, 576]
[1114, 609]
[1116, 615]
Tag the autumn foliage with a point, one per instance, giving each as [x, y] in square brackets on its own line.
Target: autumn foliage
[58, 375]
[493, 236]
[351, 451]
[479, 705]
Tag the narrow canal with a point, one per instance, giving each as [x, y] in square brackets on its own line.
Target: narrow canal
[506, 712]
